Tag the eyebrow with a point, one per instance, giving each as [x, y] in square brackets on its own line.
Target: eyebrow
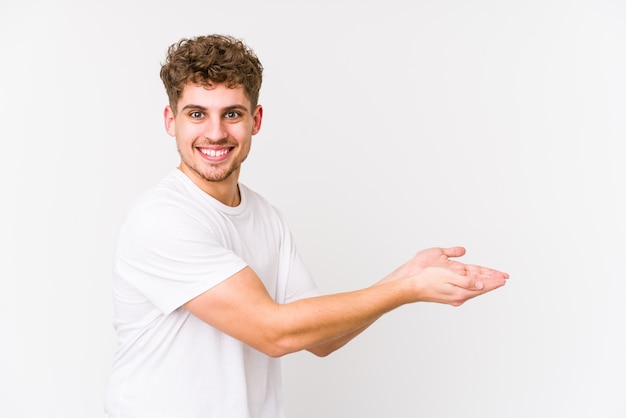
[225, 109]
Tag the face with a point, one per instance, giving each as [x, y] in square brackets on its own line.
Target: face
[213, 128]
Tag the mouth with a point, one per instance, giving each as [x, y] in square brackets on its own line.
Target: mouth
[215, 154]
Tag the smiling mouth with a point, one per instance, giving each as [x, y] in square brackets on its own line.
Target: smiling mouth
[215, 153]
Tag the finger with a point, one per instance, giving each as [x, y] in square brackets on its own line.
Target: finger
[476, 271]
[469, 287]
[467, 282]
[453, 251]
[492, 282]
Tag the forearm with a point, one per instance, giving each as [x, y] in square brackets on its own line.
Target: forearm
[326, 323]
[242, 308]
[329, 347]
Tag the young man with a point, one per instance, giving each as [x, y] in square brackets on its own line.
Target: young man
[208, 288]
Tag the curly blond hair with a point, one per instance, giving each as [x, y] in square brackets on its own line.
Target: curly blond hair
[209, 60]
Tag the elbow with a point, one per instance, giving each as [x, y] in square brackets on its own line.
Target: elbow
[275, 351]
[277, 348]
[276, 344]
[320, 352]
[325, 349]
[280, 347]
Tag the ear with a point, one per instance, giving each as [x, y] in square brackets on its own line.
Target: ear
[257, 117]
[170, 121]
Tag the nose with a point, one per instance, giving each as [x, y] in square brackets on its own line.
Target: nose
[215, 129]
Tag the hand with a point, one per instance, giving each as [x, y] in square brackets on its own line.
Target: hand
[440, 279]
[436, 257]
[437, 284]
[440, 257]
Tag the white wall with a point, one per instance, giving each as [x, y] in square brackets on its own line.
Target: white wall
[389, 127]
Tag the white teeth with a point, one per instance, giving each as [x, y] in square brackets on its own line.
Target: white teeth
[214, 153]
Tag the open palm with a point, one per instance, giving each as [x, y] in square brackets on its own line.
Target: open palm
[442, 257]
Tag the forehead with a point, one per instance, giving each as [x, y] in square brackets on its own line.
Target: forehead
[217, 96]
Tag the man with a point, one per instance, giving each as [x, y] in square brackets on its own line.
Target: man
[209, 290]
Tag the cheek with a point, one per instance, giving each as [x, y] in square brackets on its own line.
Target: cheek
[188, 132]
[246, 131]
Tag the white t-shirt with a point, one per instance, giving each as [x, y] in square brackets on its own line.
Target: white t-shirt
[176, 243]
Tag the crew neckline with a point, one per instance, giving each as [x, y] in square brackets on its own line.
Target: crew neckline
[193, 187]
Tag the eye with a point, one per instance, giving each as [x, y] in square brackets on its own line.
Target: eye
[196, 114]
[232, 114]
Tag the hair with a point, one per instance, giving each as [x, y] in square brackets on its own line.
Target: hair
[209, 60]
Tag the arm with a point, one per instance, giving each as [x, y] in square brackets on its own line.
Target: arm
[431, 257]
[241, 307]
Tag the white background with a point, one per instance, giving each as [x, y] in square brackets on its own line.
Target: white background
[389, 127]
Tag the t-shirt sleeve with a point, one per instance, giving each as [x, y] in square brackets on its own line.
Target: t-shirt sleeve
[296, 279]
[301, 284]
[171, 257]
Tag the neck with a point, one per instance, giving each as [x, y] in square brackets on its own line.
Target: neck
[226, 191]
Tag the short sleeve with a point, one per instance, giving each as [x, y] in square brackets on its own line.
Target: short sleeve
[296, 279]
[170, 256]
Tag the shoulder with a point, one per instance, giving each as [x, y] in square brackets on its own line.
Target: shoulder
[170, 207]
[174, 194]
